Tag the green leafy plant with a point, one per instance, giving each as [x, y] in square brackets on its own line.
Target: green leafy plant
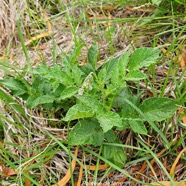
[94, 100]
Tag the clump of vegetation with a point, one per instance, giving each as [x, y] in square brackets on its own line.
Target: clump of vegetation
[96, 100]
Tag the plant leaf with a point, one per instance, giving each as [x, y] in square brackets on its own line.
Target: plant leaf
[108, 120]
[123, 62]
[16, 86]
[86, 131]
[76, 74]
[92, 55]
[87, 69]
[56, 74]
[143, 57]
[138, 127]
[34, 101]
[110, 66]
[158, 109]
[11, 102]
[114, 154]
[110, 136]
[91, 102]
[40, 86]
[135, 75]
[126, 110]
[78, 111]
[68, 92]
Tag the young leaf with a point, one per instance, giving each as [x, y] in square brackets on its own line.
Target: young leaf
[108, 120]
[88, 132]
[114, 154]
[92, 55]
[55, 74]
[87, 69]
[158, 109]
[126, 110]
[110, 66]
[138, 127]
[34, 101]
[16, 86]
[76, 74]
[135, 75]
[91, 102]
[40, 86]
[110, 136]
[115, 77]
[68, 92]
[123, 62]
[78, 111]
[143, 57]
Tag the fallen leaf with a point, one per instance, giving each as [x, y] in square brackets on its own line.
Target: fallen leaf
[41, 47]
[80, 176]
[44, 34]
[67, 177]
[9, 172]
[27, 181]
[182, 58]
[184, 120]
[93, 167]
[109, 8]
[181, 111]
[175, 162]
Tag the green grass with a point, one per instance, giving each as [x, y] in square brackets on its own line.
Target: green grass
[36, 146]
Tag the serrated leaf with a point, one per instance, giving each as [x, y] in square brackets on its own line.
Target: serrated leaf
[158, 109]
[42, 69]
[115, 77]
[115, 154]
[143, 57]
[126, 110]
[34, 101]
[55, 74]
[110, 136]
[102, 76]
[91, 102]
[87, 69]
[40, 86]
[92, 55]
[110, 66]
[77, 75]
[123, 62]
[138, 127]
[87, 132]
[135, 75]
[68, 92]
[124, 125]
[15, 85]
[78, 111]
[108, 120]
